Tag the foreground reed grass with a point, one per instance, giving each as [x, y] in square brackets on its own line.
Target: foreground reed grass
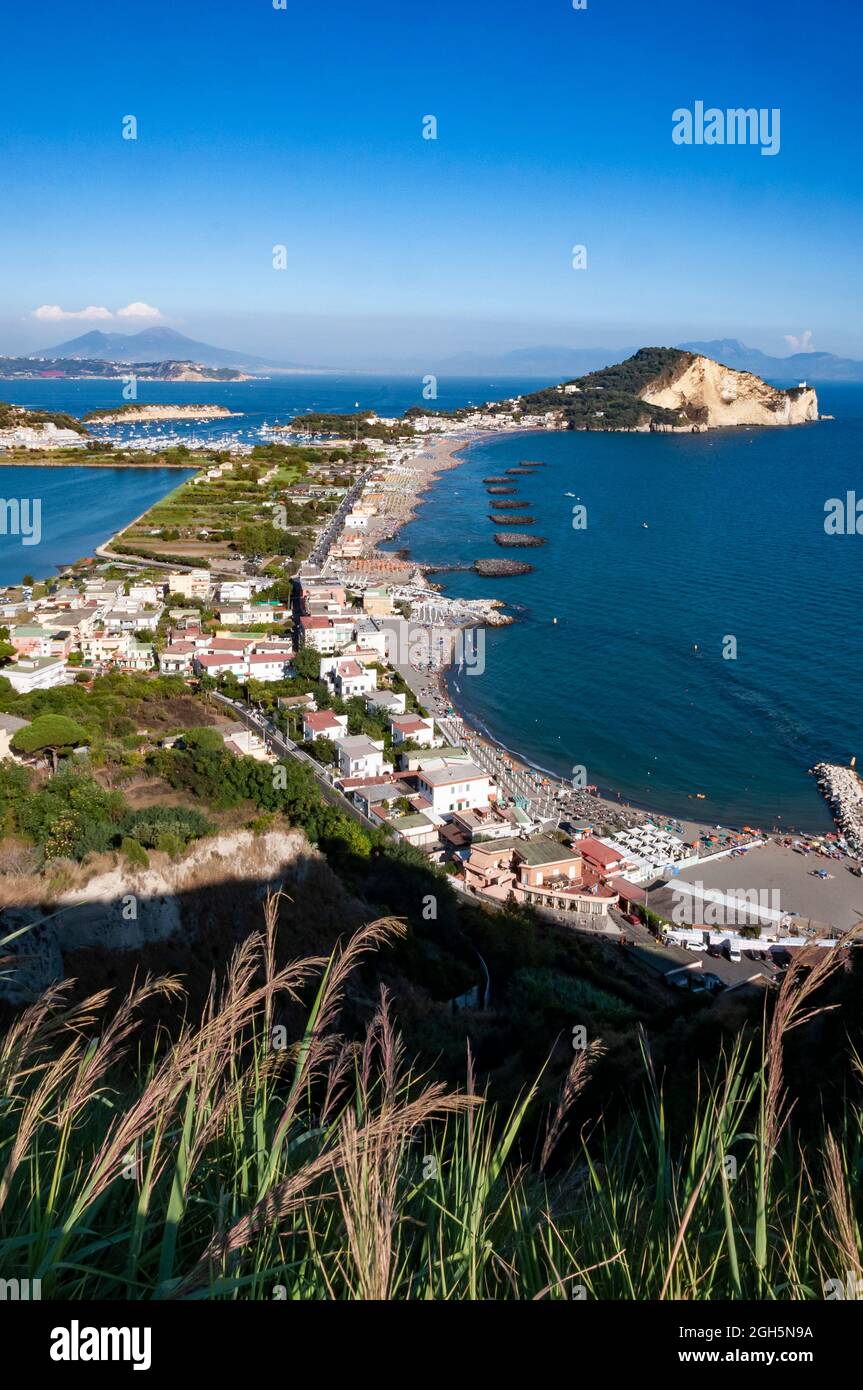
[220, 1164]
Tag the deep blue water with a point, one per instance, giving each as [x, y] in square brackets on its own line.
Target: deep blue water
[80, 509]
[735, 546]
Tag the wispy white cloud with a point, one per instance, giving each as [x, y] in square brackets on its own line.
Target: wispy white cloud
[802, 344]
[136, 310]
[53, 311]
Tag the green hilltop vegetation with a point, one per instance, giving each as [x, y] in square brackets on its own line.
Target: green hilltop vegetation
[616, 392]
[11, 416]
[351, 426]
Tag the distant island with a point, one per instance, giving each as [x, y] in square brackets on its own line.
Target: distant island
[133, 413]
[85, 368]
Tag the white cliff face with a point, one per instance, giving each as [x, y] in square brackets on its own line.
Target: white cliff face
[733, 398]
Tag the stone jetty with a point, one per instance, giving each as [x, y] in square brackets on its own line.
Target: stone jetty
[513, 506]
[515, 539]
[501, 569]
[499, 491]
[504, 520]
[843, 789]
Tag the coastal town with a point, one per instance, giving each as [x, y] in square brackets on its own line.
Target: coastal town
[379, 730]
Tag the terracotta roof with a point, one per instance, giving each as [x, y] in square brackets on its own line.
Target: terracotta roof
[321, 719]
[594, 849]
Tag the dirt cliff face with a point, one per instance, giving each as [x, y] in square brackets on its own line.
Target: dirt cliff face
[718, 396]
[174, 913]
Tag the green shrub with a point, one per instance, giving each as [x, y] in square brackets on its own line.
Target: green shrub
[134, 853]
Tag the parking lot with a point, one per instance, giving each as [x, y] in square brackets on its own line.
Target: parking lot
[837, 901]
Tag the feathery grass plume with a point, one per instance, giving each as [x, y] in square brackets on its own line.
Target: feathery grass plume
[576, 1079]
[842, 1228]
[809, 971]
[214, 1165]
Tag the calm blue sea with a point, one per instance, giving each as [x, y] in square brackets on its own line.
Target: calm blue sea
[631, 681]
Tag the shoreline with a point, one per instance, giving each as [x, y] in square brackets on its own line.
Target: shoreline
[607, 801]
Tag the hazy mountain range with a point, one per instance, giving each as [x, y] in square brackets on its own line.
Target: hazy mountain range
[154, 345]
[552, 362]
[563, 362]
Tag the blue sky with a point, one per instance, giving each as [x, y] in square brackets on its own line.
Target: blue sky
[302, 127]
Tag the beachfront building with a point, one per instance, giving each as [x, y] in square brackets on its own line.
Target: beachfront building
[360, 756]
[604, 859]
[377, 602]
[447, 786]
[539, 871]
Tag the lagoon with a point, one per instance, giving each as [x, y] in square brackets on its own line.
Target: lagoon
[79, 509]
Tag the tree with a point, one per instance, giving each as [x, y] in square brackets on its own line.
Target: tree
[7, 651]
[307, 664]
[50, 734]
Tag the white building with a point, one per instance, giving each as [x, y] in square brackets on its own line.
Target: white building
[458, 786]
[36, 673]
[324, 724]
[191, 584]
[351, 678]
[409, 728]
[360, 756]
